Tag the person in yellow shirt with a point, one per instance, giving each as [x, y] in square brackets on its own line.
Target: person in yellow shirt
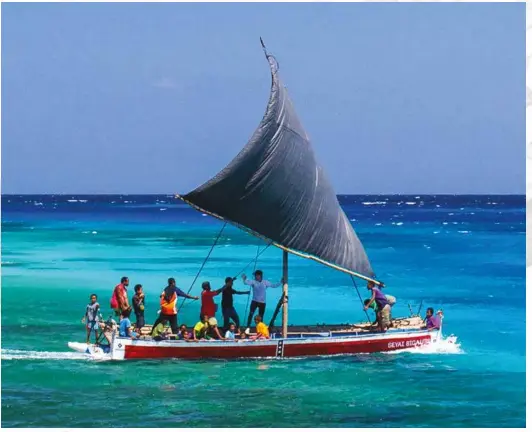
[200, 329]
[262, 329]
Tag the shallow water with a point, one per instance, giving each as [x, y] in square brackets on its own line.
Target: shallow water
[463, 254]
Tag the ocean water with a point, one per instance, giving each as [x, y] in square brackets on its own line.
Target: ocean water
[465, 254]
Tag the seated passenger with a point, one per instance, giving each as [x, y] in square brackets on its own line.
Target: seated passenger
[212, 330]
[261, 329]
[230, 333]
[243, 335]
[183, 333]
[125, 325]
[159, 332]
[432, 322]
[200, 329]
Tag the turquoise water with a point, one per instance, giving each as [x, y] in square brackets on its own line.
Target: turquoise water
[463, 254]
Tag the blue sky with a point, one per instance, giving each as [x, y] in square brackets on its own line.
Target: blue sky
[157, 98]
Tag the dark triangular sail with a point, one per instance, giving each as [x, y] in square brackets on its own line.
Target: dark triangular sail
[275, 188]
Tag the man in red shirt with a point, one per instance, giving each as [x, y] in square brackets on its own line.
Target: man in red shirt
[208, 307]
[119, 301]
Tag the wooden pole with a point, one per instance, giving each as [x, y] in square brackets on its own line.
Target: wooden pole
[285, 294]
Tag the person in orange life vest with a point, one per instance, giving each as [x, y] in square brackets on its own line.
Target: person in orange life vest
[119, 302]
[208, 307]
[168, 305]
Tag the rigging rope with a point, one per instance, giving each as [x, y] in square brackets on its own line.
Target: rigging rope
[254, 260]
[203, 265]
[360, 297]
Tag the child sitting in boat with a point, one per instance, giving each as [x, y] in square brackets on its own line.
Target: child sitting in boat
[200, 329]
[159, 331]
[125, 325]
[212, 330]
[230, 333]
[262, 331]
[183, 333]
[243, 336]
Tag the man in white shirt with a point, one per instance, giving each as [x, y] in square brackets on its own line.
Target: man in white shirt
[259, 293]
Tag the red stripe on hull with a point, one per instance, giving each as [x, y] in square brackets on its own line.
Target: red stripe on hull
[299, 349]
[189, 351]
[354, 346]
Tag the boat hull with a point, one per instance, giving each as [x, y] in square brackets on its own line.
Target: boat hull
[127, 349]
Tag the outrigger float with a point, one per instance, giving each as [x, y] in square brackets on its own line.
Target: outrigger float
[275, 190]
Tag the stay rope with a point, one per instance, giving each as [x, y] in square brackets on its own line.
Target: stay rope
[203, 265]
[360, 297]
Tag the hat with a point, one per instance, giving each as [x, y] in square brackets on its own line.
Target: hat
[213, 322]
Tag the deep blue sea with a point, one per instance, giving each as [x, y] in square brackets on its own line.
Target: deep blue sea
[464, 254]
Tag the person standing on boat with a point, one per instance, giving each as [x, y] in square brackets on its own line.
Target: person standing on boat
[138, 307]
[119, 302]
[208, 307]
[168, 305]
[383, 307]
[228, 310]
[91, 317]
[259, 286]
[373, 305]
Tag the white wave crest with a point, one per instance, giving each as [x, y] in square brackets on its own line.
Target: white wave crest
[10, 354]
[374, 203]
[446, 345]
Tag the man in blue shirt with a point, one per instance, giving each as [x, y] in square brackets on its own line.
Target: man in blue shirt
[125, 324]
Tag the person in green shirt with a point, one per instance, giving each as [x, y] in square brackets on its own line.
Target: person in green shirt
[159, 331]
[200, 329]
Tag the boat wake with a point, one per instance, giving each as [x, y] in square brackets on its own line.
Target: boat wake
[448, 345]
[11, 354]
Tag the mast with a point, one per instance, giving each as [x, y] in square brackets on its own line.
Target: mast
[285, 294]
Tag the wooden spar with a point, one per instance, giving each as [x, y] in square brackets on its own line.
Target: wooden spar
[285, 294]
[276, 312]
[300, 254]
